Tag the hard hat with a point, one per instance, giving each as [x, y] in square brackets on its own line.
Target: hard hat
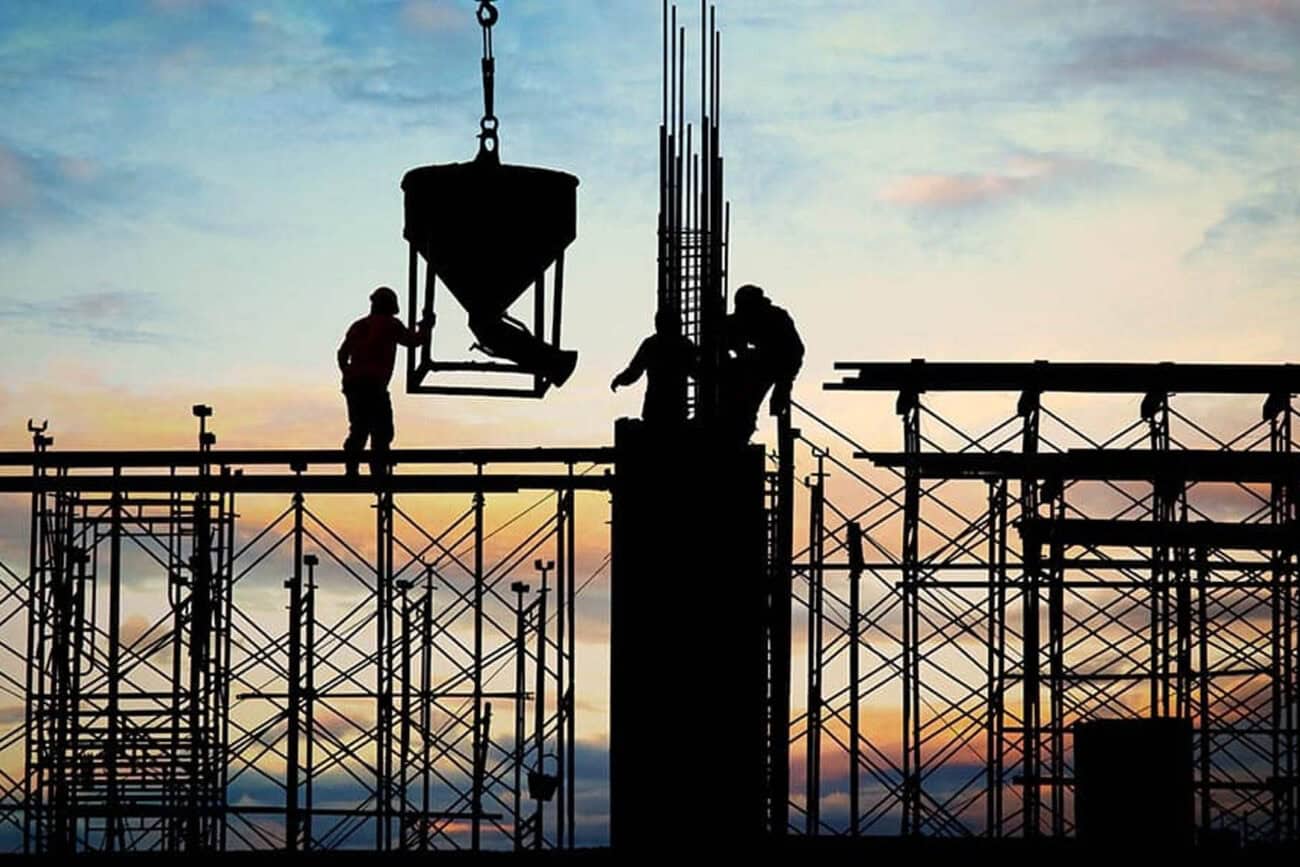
[385, 298]
[749, 294]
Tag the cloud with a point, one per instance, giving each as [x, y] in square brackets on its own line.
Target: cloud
[1285, 12]
[1123, 56]
[433, 15]
[40, 187]
[110, 316]
[1264, 223]
[1020, 175]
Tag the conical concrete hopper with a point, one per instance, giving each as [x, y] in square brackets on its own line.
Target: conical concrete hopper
[488, 230]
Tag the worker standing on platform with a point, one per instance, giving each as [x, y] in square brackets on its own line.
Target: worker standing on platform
[764, 351]
[366, 360]
[666, 358]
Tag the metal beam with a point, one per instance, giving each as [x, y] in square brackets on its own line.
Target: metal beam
[1146, 534]
[920, 375]
[304, 457]
[1100, 465]
[415, 483]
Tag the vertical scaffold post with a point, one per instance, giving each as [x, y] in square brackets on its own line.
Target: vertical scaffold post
[1205, 792]
[519, 588]
[309, 695]
[854, 542]
[816, 660]
[112, 749]
[908, 408]
[561, 632]
[1056, 670]
[426, 705]
[1155, 412]
[408, 710]
[36, 563]
[1282, 512]
[1028, 408]
[539, 700]
[476, 784]
[384, 669]
[780, 610]
[570, 603]
[996, 530]
[292, 834]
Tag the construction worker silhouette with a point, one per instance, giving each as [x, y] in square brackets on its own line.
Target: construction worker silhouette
[764, 352]
[666, 358]
[366, 360]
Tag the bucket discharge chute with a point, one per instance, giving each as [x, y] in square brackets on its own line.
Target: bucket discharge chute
[489, 233]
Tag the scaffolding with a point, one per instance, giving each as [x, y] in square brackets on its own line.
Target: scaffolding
[966, 601]
[424, 702]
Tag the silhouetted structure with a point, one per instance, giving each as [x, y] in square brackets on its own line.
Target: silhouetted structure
[723, 506]
[366, 359]
[489, 232]
[1013, 590]
[214, 727]
[1144, 573]
[1133, 783]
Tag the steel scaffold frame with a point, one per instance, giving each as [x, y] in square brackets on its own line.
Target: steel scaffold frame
[1014, 577]
[359, 723]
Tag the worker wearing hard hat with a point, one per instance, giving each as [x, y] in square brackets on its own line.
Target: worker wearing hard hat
[764, 352]
[666, 358]
[366, 360]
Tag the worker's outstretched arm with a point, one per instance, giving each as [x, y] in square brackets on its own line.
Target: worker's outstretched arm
[407, 337]
[633, 371]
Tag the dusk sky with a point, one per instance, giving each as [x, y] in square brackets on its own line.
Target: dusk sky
[196, 197]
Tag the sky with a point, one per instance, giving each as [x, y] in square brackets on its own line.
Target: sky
[196, 197]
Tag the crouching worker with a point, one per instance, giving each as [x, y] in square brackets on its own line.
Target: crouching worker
[666, 358]
[366, 361]
[765, 352]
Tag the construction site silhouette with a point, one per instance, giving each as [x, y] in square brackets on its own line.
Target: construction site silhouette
[1012, 640]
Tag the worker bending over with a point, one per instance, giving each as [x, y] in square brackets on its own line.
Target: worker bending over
[764, 352]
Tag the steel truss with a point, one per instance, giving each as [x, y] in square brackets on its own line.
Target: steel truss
[961, 604]
[417, 694]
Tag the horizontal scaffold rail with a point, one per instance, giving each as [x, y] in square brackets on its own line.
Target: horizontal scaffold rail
[291, 458]
[1111, 465]
[1151, 534]
[280, 483]
[920, 375]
